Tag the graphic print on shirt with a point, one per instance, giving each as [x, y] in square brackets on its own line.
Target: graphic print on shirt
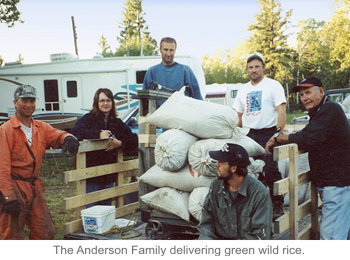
[254, 103]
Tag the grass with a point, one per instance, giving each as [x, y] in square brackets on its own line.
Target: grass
[56, 190]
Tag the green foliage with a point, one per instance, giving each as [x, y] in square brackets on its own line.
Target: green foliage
[336, 35]
[270, 39]
[225, 67]
[9, 13]
[134, 38]
[319, 49]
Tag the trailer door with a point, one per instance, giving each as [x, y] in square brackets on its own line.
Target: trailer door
[72, 96]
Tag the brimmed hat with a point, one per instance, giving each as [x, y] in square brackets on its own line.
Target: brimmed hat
[308, 82]
[233, 153]
[25, 91]
[255, 55]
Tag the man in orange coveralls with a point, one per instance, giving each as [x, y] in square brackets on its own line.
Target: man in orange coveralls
[22, 145]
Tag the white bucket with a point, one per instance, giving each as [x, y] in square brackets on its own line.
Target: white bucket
[98, 219]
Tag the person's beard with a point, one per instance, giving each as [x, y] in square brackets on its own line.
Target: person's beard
[226, 177]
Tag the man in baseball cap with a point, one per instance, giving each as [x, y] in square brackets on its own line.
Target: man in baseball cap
[255, 55]
[308, 82]
[261, 107]
[233, 196]
[25, 91]
[326, 138]
[23, 142]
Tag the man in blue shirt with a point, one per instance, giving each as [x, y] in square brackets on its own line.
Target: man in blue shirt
[171, 74]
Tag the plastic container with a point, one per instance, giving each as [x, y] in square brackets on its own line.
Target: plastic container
[98, 219]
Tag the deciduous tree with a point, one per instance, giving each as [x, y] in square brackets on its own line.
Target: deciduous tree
[9, 13]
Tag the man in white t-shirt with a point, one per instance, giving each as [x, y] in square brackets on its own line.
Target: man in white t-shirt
[261, 106]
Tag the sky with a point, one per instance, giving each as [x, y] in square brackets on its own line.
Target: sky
[200, 27]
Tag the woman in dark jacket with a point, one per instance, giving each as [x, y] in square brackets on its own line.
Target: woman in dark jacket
[102, 122]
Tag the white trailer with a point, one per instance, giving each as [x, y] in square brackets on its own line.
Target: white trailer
[66, 85]
[223, 94]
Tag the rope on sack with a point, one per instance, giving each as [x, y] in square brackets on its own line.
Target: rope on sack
[121, 231]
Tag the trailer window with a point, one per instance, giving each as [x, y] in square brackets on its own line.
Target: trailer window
[51, 95]
[72, 90]
[140, 75]
[234, 93]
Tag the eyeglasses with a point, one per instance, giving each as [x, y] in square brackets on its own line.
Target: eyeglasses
[102, 101]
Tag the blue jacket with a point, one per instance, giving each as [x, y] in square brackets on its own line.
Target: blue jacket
[174, 77]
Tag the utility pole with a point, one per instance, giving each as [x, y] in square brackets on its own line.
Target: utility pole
[75, 37]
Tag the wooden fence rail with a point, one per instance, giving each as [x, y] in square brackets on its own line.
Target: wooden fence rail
[296, 212]
[123, 169]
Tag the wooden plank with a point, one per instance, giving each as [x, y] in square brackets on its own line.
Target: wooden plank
[81, 174]
[81, 184]
[293, 192]
[73, 226]
[153, 94]
[281, 187]
[314, 212]
[282, 223]
[84, 199]
[146, 150]
[147, 138]
[92, 145]
[281, 152]
[126, 210]
[305, 234]
[119, 182]
[303, 178]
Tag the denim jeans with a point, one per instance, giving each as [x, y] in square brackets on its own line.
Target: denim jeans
[335, 222]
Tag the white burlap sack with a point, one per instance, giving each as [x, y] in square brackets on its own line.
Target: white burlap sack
[171, 149]
[184, 179]
[255, 167]
[169, 200]
[303, 166]
[197, 117]
[198, 155]
[196, 201]
[199, 159]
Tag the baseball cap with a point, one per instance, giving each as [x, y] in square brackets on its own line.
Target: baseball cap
[255, 55]
[233, 153]
[308, 82]
[25, 91]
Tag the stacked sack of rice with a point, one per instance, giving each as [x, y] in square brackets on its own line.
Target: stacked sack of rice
[183, 170]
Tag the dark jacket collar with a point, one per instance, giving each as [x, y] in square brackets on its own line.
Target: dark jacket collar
[313, 112]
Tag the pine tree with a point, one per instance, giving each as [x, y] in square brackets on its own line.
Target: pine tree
[134, 39]
[270, 39]
[105, 47]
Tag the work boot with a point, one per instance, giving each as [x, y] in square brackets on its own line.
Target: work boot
[277, 210]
